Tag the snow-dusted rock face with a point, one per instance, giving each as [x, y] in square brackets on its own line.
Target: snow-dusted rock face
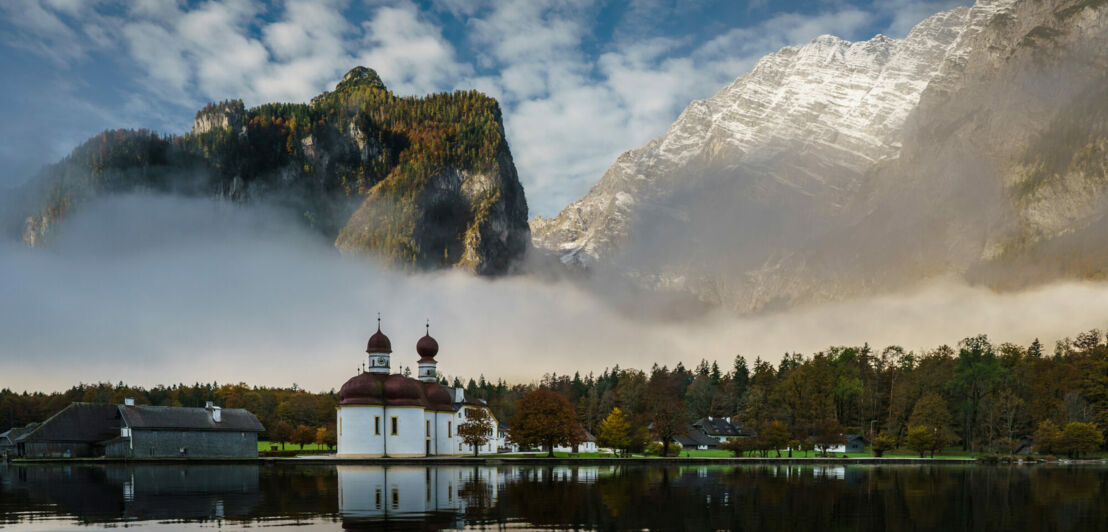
[750, 197]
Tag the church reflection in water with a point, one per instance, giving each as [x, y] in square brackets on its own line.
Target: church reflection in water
[357, 496]
[434, 497]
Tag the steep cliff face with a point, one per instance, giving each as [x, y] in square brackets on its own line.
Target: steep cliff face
[424, 182]
[466, 218]
[805, 122]
[836, 169]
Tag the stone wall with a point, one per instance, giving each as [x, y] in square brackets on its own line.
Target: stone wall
[196, 444]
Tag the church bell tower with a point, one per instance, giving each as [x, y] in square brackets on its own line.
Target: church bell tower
[379, 349]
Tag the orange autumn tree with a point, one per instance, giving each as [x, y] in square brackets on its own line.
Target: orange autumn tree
[477, 430]
[543, 418]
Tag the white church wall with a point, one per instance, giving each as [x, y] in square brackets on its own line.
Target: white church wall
[409, 439]
[356, 432]
[447, 432]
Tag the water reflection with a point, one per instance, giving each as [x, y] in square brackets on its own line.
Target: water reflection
[609, 497]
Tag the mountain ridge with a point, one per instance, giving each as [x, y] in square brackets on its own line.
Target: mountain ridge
[763, 195]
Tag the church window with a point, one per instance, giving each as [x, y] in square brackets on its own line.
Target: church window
[449, 427]
[427, 426]
[395, 429]
[377, 425]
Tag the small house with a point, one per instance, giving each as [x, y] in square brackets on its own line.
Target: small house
[696, 439]
[854, 443]
[8, 446]
[587, 446]
[721, 428]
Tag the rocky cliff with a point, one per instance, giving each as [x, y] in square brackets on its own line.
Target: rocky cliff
[425, 182]
[836, 169]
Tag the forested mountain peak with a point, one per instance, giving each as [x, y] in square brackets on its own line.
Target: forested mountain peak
[426, 181]
[361, 76]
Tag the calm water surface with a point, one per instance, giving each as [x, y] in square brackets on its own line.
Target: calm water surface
[744, 497]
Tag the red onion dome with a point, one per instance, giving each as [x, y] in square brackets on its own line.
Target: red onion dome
[427, 348]
[380, 389]
[401, 390]
[378, 343]
[438, 396]
[363, 389]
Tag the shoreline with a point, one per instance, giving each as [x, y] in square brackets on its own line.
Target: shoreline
[491, 460]
[542, 460]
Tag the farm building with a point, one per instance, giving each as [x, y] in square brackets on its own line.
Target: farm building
[78, 430]
[129, 431]
[8, 448]
[170, 432]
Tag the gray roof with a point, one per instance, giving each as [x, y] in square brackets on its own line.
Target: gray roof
[694, 437]
[8, 437]
[718, 426]
[78, 422]
[177, 418]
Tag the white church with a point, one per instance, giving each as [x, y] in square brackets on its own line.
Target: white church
[383, 414]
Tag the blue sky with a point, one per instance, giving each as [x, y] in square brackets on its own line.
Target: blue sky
[579, 81]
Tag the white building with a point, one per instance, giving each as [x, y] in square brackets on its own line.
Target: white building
[382, 414]
[587, 446]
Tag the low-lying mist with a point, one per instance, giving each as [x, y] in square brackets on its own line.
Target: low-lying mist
[158, 290]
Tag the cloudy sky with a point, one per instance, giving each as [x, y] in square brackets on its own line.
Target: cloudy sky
[579, 81]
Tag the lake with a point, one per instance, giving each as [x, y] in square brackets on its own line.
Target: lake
[605, 497]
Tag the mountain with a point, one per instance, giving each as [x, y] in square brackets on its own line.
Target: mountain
[425, 182]
[973, 147]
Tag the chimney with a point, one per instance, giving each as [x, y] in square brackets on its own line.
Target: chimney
[215, 411]
[130, 401]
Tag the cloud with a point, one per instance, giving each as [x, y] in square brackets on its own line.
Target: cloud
[575, 92]
[408, 52]
[151, 289]
[49, 29]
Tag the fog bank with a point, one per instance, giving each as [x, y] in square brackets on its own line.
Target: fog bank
[158, 290]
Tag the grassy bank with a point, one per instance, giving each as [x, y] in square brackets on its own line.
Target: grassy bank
[265, 446]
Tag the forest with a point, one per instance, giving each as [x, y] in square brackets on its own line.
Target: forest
[320, 161]
[979, 395]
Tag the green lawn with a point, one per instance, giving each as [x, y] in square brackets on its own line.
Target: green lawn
[264, 446]
[556, 455]
[709, 453]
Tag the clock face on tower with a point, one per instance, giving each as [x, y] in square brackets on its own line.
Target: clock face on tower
[379, 362]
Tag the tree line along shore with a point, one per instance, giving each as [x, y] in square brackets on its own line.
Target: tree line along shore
[972, 399]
